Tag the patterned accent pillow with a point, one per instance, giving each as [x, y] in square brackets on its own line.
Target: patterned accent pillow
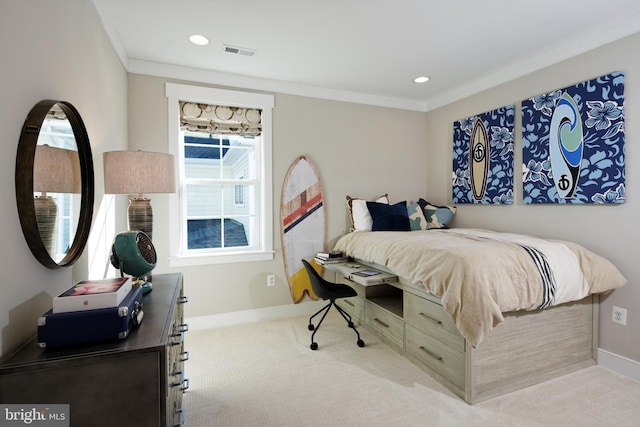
[360, 217]
[417, 220]
[437, 216]
[388, 217]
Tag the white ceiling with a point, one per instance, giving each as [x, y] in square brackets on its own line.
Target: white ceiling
[362, 50]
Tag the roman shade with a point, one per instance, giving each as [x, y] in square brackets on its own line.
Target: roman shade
[220, 119]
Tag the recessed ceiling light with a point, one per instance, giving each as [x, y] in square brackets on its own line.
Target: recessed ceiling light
[198, 40]
[421, 79]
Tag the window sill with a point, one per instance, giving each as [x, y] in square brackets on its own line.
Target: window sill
[228, 258]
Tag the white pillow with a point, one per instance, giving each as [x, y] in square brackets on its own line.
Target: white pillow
[360, 217]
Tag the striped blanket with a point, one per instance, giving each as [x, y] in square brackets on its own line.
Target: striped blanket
[480, 274]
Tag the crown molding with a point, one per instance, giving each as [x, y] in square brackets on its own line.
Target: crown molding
[627, 26]
[268, 85]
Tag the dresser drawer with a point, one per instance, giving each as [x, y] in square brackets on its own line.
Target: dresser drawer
[438, 356]
[385, 323]
[431, 318]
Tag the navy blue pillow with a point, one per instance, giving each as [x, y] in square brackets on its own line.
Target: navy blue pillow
[389, 217]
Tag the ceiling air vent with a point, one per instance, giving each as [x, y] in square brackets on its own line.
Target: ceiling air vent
[239, 50]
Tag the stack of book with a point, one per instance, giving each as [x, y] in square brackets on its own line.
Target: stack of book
[93, 295]
[330, 257]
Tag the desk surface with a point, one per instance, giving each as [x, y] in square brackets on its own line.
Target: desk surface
[348, 270]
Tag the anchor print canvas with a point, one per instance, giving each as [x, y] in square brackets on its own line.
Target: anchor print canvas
[483, 158]
[573, 144]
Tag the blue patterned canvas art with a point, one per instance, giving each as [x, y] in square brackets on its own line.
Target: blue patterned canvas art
[573, 144]
[483, 158]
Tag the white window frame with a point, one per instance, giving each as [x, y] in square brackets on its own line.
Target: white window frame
[179, 256]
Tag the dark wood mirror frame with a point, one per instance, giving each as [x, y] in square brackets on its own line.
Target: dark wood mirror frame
[24, 182]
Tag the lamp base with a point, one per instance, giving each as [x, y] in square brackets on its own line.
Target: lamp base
[141, 215]
[47, 219]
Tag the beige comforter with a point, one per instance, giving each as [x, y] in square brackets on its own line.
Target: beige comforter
[480, 274]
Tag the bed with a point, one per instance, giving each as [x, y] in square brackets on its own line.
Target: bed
[505, 310]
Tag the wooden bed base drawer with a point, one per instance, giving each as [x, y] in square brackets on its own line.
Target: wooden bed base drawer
[353, 306]
[388, 325]
[443, 359]
[431, 318]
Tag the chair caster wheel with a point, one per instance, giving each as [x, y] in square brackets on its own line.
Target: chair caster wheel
[360, 343]
[311, 327]
[314, 345]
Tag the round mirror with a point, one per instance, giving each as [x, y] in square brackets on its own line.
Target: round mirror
[54, 183]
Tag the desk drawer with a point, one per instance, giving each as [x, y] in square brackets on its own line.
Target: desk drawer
[353, 306]
[385, 323]
[431, 318]
[438, 356]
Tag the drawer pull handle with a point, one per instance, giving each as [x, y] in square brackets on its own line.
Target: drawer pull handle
[180, 381]
[349, 303]
[183, 299]
[436, 321]
[381, 322]
[181, 420]
[184, 327]
[184, 356]
[185, 385]
[435, 356]
[180, 339]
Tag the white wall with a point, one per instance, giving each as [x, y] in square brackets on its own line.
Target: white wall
[50, 50]
[611, 231]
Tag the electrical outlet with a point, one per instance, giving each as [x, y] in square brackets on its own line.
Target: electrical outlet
[619, 315]
[271, 279]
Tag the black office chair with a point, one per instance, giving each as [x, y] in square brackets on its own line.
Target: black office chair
[329, 291]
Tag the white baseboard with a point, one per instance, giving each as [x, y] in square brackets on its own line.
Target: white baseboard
[622, 365]
[247, 316]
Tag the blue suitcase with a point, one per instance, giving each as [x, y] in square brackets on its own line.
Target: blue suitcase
[56, 330]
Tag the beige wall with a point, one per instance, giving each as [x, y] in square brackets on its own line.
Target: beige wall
[611, 231]
[55, 50]
[58, 50]
[358, 150]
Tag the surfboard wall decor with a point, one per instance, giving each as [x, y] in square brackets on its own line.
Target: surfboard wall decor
[479, 155]
[303, 224]
[483, 158]
[573, 143]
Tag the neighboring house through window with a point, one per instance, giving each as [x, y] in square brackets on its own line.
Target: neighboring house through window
[222, 140]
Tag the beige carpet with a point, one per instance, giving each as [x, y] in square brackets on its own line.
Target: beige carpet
[264, 374]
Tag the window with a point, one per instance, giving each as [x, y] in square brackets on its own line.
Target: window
[223, 208]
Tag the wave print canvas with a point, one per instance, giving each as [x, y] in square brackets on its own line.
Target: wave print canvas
[573, 144]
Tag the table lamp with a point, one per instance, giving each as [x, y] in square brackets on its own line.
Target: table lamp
[139, 173]
[55, 170]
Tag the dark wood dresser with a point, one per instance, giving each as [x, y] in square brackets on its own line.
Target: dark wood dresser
[137, 381]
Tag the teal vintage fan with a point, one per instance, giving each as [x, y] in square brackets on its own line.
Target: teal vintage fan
[133, 253]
